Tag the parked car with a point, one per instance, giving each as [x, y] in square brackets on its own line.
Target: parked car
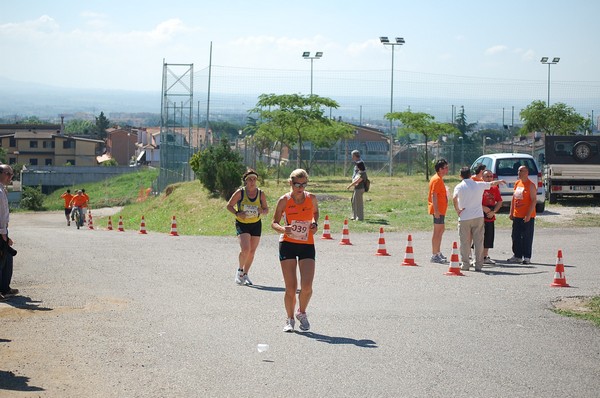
[505, 167]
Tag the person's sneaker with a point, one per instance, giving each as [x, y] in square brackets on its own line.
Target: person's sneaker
[526, 261]
[303, 319]
[289, 325]
[464, 267]
[436, 258]
[239, 277]
[246, 280]
[443, 257]
[2, 298]
[488, 261]
[11, 292]
[514, 259]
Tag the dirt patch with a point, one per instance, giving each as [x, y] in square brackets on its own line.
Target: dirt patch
[579, 305]
[562, 214]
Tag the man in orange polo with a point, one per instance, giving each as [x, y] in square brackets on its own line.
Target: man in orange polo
[78, 203]
[437, 203]
[522, 214]
[67, 197]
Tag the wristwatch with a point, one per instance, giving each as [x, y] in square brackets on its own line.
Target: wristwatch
[315, 224]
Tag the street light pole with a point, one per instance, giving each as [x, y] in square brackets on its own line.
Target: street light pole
[545, 61]
[306, 55]
[386, 42]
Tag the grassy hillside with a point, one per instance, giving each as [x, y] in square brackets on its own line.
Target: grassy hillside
[397, 204]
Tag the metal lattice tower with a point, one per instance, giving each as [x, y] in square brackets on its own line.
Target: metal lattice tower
[176, 124]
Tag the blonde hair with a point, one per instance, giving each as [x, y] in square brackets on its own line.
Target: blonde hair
[298, 173]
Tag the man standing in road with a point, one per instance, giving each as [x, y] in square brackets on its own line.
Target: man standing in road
[67, 198]
[437, 203]
[6, 251]
[467, 203]
[358, 182]
[522, 214]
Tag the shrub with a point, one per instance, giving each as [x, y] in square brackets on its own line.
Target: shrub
[219, 169]
[32, 198]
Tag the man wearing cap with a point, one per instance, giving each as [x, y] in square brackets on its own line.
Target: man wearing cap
[358, 178]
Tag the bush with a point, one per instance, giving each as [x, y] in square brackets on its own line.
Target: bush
[219, 169]
[32, 198]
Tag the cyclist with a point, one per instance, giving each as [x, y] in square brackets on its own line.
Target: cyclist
[77, 204]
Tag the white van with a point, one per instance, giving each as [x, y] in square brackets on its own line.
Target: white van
[505, 167]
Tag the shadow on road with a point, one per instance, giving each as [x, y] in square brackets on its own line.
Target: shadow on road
[268, 288]
[25, 303]
[10, 381]
[364, 343]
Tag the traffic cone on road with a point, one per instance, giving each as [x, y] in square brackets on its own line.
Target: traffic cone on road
[143, 226]
[454, 269]
[409, 258]
[559, 273]
[90, 221]
[326, 229]
[120, 229]
[381, 251]
[345, 234]
[109, 227]
[174, 227]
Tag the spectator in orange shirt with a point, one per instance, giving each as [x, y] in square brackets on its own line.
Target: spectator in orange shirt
[522, 214]
[437, 205]
[67, 198]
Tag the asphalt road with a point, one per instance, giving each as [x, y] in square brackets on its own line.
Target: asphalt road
[119, 314]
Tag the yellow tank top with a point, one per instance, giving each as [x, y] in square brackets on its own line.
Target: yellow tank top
[251, 206]
[299, 216]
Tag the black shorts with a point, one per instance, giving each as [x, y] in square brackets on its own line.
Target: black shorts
[67, 211]
[440, 220]
[254, 229]
[488, 236]
[301, 251]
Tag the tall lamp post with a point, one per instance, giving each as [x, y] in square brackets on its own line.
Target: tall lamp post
[545, 61]
[306, 55]
[386, 42]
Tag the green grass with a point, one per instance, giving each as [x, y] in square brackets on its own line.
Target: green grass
[592, 312]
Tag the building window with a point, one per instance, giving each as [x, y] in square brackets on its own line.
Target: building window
[33, 162]
[12, 160]
[33, 144]
[48, 144]
[71, 162]
[48, 162]
[68, 144]
[12, 142]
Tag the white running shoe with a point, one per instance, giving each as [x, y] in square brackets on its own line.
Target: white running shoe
[246, 280]
[487, 260]
[289, 325]
[239, 277]
[514, 259]
[304, 325]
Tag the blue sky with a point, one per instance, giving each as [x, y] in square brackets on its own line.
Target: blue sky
[122, 44]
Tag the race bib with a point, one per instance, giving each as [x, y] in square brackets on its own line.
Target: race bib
[300, 230]
[519, 193]
[251, 210]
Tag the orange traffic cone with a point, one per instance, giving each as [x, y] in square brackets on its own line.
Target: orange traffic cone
[90, 221]
[143, 226]
[381, 251]
[174, 227]
[110, 228]
[345, 234]
[326, 230]
[409, 258]
[559, 274]
[120, 229]
[454, 269]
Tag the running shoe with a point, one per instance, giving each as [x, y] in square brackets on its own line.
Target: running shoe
[246, 280]
[11, 292]
[442, 256]
[514, 259]
[289, 325]
[436, 258]
[239, 277]
[489, 261]
[2, 298]
[303, 319]
[526, 261]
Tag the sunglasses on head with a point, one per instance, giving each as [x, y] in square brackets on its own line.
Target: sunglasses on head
[300, 184]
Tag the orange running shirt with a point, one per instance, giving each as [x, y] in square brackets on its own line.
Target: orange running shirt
[67, 198]
[522, 199]
[438, 188]
[79, 201]
[299, 216]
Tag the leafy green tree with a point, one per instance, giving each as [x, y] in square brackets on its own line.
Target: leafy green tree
[33, 120]
[424, 124]
[102, 123]
[3, 154]
[558, 119]
[110, 163]
[294, 118]
[32, 199]
[79, 126]
[219, 169]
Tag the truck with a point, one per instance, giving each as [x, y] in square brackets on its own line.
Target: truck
[572, 166]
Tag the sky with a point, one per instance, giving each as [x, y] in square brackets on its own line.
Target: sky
[121, 44]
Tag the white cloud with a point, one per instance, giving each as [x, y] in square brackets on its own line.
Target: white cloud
[496, 49]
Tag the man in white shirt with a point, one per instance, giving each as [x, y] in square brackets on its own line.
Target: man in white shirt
[6, 253]
[467, 203]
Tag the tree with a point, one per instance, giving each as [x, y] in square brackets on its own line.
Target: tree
[79, 126]
[102, 123]
[294, 118]
[558, 119]
[425, 124]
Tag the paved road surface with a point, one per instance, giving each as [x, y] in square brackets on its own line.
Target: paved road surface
[118, 314]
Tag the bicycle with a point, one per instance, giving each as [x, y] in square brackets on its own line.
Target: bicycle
[78, 216]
